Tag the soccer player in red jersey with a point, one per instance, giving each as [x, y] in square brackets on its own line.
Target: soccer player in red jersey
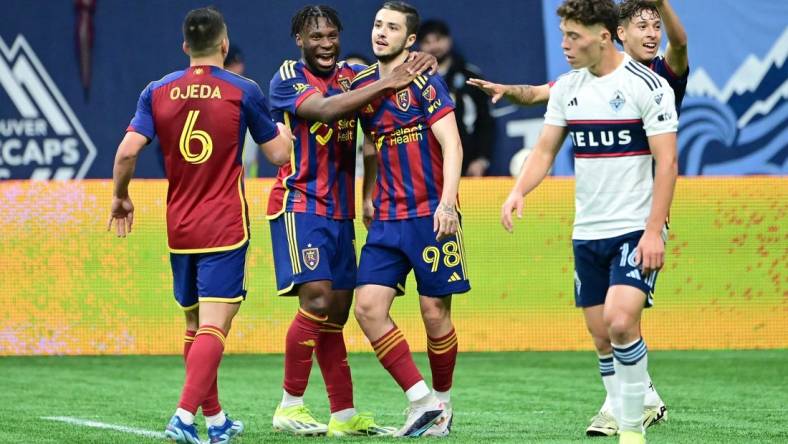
[640, 32]
[311, 210]
[201, 115]
[413, 221]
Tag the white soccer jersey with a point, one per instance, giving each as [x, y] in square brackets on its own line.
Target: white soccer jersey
[609, 120]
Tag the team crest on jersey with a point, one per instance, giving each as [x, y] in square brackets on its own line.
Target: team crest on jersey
[344, 83]
[311, 257]
[429, 93]
[658, 98]
[618, 101]
[403, 99]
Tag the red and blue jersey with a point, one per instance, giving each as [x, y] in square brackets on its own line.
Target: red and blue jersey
[200, 116]
[677, 83]
[320, 177]
[410, 160]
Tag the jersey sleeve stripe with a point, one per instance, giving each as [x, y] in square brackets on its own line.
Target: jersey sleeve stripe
[642, 77]
[649, 73]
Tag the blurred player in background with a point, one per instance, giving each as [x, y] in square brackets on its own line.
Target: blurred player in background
[412, 221]
[622, 120]
[311, 210]
[476, 124]
[640, 32]
[200, 115]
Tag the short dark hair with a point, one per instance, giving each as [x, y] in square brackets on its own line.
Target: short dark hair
[631, 8]
[433, 27]
[411, 14]
[202, 30]
[310, 13]
[234, 55]
[591, 12]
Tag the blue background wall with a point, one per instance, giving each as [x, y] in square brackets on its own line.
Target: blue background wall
[737, 55]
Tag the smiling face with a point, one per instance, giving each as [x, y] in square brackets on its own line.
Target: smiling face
[319, 43]
[390, 35]
[582, 44]
[641, 35]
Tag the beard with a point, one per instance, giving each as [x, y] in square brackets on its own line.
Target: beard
[395, 52]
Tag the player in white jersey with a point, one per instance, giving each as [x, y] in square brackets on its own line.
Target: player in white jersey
[622, 120]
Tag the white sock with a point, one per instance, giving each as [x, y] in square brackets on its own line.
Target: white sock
[186, 416]
[417, 392]
[612, 403]
[443, 396]
[344, 415]
[289, 400]
[216, 420]
[631, 365]
[652, 398]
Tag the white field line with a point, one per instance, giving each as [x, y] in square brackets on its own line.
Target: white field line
[103, 425]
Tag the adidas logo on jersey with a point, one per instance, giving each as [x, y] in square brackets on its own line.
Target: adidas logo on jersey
[454, 277]
[573, 102]
[634, 274]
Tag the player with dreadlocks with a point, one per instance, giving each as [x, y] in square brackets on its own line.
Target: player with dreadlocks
[311, 211]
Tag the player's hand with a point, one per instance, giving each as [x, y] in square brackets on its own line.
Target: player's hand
[445, 222]
[421, 61]
[122, 212]
[513, 203]
[494, 90]
[284, 129]
[367, 212]
[650, 253]
[401, 76]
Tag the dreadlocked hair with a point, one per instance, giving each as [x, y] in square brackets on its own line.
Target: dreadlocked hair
[310, 14]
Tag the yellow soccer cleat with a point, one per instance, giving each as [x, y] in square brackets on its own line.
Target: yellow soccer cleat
[298, 420]
[602, 424]
[362, 424]
[629, 437]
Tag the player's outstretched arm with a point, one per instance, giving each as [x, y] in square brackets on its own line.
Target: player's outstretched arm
[327, 109]
[277, 150]
[534, 170]
[446, 221]
[518, 94]
[651, 248]
[370, 176]
[676, 54]
[122, 209]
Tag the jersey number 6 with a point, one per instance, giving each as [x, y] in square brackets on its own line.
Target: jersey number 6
[188, 134]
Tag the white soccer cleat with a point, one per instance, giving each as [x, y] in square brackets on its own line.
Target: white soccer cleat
[654, 415]
[421, 418]
[442, 426]
[602, 424]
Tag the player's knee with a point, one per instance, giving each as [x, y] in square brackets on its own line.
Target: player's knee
[434, 317]
[602, 344]
[315, 299]
[621, 328]
[367, 313]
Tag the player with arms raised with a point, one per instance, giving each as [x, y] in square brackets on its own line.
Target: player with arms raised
[311, 210]
[621, 118]
[200, 115]
[415, 224]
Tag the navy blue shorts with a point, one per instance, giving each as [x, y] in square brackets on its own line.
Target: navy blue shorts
[209, 277]
[602, 263]
[308, 247]
[395, 247]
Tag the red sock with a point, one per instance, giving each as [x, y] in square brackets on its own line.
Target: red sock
[202, 365]
[393, 352]
[299, 344]
[188, 340]
[331, 355]
[443, 357]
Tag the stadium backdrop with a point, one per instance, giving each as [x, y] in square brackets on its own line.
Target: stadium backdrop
[70, 288]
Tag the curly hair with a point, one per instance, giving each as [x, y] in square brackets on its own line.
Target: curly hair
[311, 13]
[633, 8]
[591, 12]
